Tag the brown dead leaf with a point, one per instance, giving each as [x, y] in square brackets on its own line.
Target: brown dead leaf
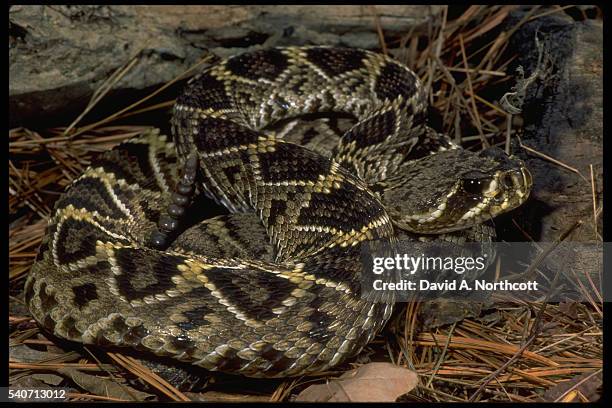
[587, 384]
[569, 308]
[23, 354]
[104, 387]
[49, 379]
[373, 382]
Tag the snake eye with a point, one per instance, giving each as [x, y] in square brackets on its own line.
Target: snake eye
[475, 183]
[473, 186]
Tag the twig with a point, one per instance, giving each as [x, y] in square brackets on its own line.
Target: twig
[586, 292]
[546, 13]
[159, 383]
[160, 105]
[503, 37]
[544, 156]
[490, 105]
[123, 387]
[442, 355]
[381, 36]
[451, 80]
[578, 384]
[478, 71]
[439, 43]
[146, 98]
[537, 323]
[563, 340]
[102, 91]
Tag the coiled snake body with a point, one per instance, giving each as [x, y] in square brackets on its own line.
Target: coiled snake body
[273, 289]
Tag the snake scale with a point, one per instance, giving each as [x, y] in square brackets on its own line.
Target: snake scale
[273, 288]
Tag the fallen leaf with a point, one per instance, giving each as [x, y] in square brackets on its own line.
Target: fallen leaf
[373, 382]
[441, 312]
[28, 382]
[569, 308]
[23, 354]
[103, 387]
[49, 379]
[588, 384]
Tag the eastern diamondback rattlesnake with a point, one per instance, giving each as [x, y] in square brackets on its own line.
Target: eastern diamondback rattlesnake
[273, 288]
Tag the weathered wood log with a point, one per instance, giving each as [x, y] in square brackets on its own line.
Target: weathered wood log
[563, 119]
[58, 55]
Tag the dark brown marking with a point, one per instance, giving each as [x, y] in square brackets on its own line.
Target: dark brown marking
[115, 163]
[290, 162]
[336, 61]
[77, 240]
[268, 64]
[205, 92]
[91, 194]
[394, 81]
[215, 134]
[195, 316]
[138, 153]
[346, 206]
[372, 130]
[145, 272]
[254, 292]
[83, 294]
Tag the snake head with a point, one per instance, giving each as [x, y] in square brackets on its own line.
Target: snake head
[456, 189]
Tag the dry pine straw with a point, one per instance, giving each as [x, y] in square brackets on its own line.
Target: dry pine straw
[453, 362]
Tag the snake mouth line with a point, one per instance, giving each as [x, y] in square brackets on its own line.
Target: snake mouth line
[463, 207]
[507, 191]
